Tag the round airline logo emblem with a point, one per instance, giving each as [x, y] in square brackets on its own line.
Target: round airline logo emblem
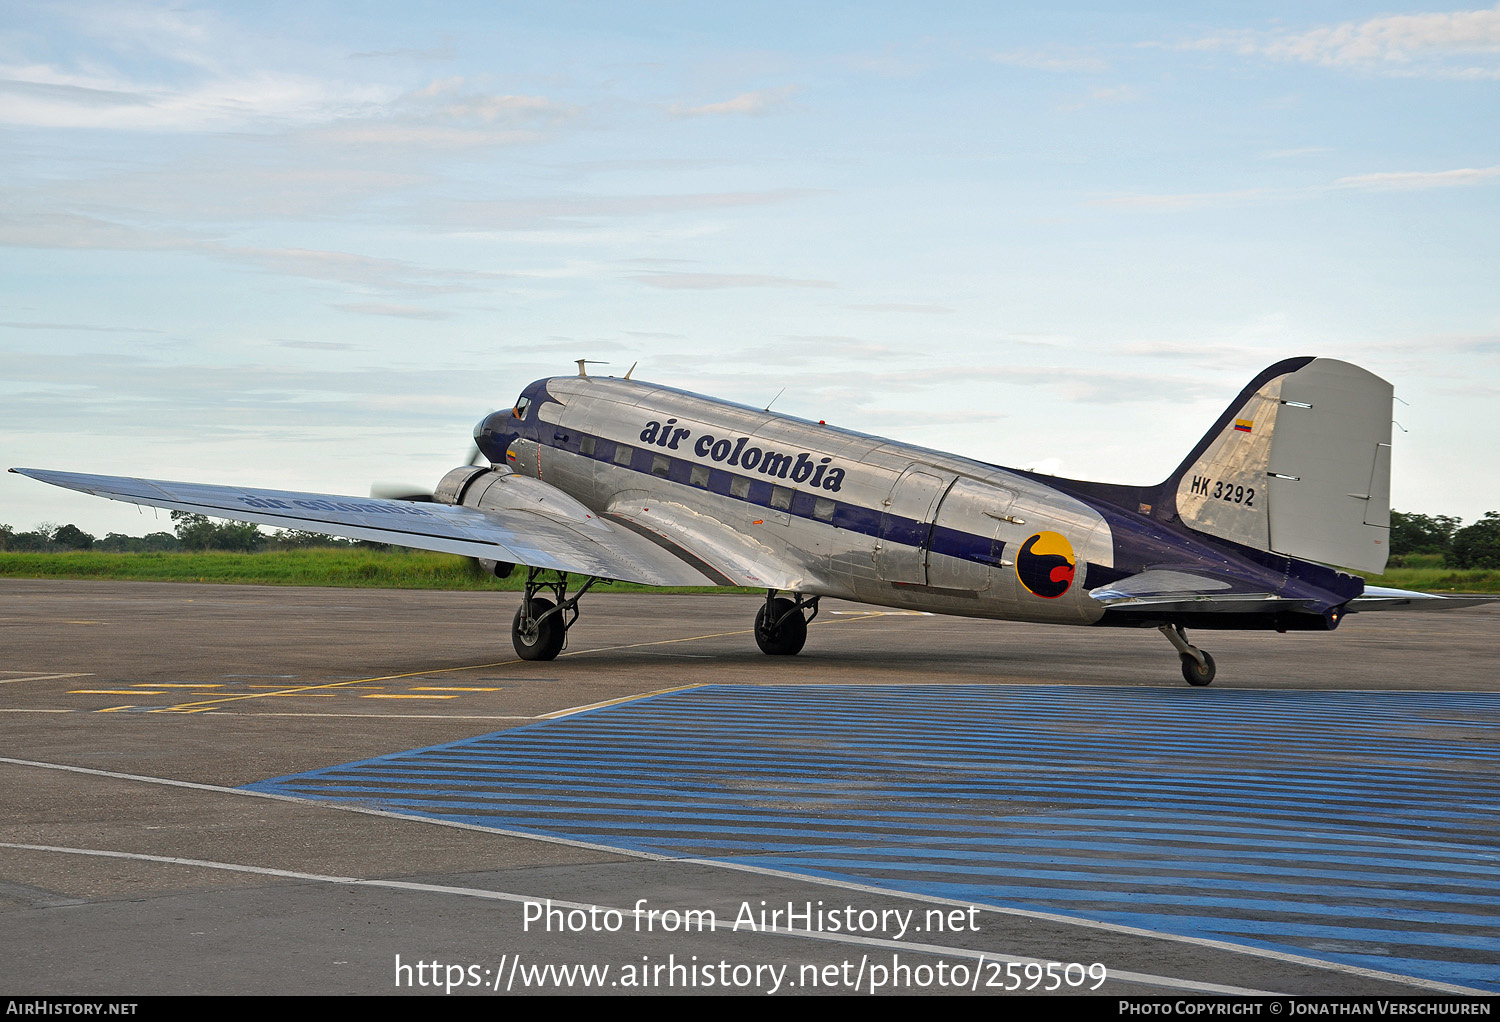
[1045, 565]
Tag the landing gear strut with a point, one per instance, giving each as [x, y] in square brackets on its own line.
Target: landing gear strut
[780, 628]
[540, 628]
[1197, 665]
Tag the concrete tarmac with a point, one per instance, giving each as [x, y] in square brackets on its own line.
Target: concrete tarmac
[143, 870]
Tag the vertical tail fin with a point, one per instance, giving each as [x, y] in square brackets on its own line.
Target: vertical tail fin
[1299, 464]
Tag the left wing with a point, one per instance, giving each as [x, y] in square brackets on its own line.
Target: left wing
[549, 530]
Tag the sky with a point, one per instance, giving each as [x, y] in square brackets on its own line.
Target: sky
[309, 246]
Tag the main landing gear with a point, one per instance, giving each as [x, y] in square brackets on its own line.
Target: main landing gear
[540, 628]
[780, 628]
[1197, 665]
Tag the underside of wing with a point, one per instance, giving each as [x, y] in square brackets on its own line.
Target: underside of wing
[552, 531]
[1161, 596]
[1164, 595]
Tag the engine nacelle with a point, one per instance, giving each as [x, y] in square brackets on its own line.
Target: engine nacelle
[452, 488]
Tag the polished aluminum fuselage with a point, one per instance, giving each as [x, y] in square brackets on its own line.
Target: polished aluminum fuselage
[778, 502]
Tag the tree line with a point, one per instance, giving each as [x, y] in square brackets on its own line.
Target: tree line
[1473, 546]
[191, 532]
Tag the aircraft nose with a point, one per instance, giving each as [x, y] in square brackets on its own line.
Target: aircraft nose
[495, 433]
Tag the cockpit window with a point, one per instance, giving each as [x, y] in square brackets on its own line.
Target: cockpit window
[522, 403]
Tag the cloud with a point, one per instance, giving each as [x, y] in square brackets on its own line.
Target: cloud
[46, 96]
[709, 281]
[316, 345]
[400, 311]
[372, 272]
[1038, 60]
[752, 103]
[1414, 180]
[1183, 200]
[1427, 43]
[1417, 179]
[926, 310]
[1108, 94]
[551, 211]
[1394, 38]
[81, 326]
[157, 397]
[1282, 154]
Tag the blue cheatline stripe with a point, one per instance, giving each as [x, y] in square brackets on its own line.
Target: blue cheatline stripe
[1360, 827]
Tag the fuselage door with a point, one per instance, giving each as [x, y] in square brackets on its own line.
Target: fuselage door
[967, 550]
[906, 525]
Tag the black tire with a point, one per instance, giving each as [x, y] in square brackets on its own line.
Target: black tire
[787, 640]
[546, 640]
[1196, 674]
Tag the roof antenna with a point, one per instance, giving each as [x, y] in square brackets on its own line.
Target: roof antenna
[585, 362]
[773, 400]
[632, 369]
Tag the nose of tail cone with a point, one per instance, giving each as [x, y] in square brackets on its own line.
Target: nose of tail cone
[496, 433]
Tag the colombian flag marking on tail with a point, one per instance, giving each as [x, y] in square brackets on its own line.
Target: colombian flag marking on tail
[1243, 425]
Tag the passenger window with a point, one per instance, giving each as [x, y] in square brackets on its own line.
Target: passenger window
[586, 446]
[623, 454]
[661, 465]
[739, 486]
[781, 497]
[699, 476]
[823, 509]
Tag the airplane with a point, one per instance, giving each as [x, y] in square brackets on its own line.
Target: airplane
[1262, 526]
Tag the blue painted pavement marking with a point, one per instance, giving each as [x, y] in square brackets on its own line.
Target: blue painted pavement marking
[1355, 827]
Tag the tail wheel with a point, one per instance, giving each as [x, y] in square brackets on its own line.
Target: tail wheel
[543, 639]
[782, 632]
[1196, 673]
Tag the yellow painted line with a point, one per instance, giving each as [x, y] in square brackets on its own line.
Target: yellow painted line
[370, 716]
[302, 695]
[174, 685]
[112, 709]
[613, 702]
[112, 692]
[208, 704]
[392, 695]
[431, 688]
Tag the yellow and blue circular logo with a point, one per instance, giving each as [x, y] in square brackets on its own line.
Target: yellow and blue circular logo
[1045, 565]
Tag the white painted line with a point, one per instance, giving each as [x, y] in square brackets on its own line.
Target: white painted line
[38, 677]
[883, 613]
[473, 892]
[1091, 924]
[361, 810]
[452, 688]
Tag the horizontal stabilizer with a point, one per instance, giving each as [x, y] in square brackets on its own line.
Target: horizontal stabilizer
[1381, 598]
